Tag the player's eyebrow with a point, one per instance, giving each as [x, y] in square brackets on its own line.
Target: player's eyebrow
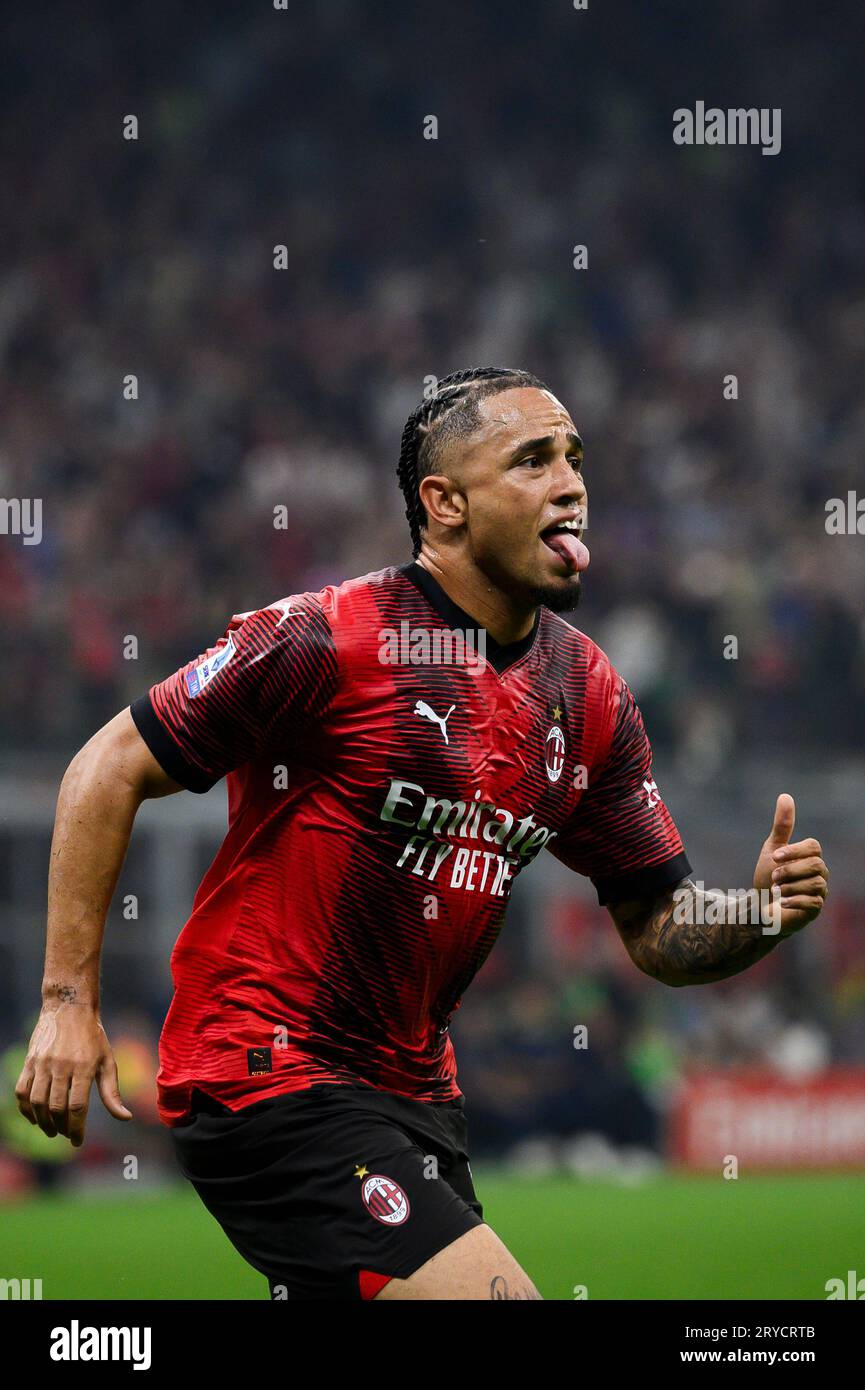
[574, 442]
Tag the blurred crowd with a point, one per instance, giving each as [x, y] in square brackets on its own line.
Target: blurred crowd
[575, 1060]
[407, 258]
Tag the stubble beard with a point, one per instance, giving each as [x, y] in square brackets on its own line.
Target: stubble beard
[559, 598]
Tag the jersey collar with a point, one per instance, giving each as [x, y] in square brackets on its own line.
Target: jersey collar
[500, 655]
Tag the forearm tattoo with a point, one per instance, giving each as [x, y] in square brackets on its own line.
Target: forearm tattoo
[690, 936]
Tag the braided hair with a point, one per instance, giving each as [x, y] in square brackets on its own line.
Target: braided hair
[449, 412]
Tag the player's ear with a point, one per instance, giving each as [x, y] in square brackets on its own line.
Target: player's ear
[443, 500]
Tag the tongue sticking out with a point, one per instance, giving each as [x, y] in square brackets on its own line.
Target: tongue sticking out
[570, 548]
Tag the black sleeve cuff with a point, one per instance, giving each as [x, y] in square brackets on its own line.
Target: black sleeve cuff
[165, 750]
[643, 883]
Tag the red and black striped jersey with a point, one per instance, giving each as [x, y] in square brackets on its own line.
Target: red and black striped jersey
[390, 770]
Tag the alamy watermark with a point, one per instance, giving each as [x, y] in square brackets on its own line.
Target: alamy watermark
[736, 126]
[421, 646]
[20, 1289]
[21, 516]
[77, 1343]
[845, 516]
[694, 905]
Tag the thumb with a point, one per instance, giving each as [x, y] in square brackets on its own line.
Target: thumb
[109, 1091]
[785, 819]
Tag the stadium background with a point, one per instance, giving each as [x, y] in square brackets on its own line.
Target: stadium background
[408, 258]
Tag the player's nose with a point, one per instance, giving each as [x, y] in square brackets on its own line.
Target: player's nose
[566, 485]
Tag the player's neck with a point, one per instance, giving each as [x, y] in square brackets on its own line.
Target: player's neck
[470, 590]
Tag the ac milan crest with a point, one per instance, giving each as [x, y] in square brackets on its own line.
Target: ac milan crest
[385, 1200]
[554, 753]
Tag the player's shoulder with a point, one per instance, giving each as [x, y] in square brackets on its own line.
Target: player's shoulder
[354, 599]
[324, 610]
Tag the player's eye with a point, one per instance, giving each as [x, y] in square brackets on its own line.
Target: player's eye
[578, 462]
[532, 459]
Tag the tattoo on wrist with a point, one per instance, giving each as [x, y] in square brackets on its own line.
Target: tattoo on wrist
[67, 994]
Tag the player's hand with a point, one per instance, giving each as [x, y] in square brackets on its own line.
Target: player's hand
[797, 870]
[69, 1049]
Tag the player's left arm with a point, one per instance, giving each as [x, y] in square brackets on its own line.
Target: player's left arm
[688, 936]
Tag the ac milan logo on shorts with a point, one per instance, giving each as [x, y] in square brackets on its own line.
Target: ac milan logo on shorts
[554, 753]
[384, 1200]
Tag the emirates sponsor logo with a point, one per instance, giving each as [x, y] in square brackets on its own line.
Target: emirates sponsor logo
[439, 822]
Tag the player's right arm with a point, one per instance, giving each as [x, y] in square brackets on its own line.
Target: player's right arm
[267, 680]
[100, 794]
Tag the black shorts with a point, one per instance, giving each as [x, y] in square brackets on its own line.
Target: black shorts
[332, 1191]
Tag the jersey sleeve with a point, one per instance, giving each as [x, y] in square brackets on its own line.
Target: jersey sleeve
[270, 671]
[621, 835]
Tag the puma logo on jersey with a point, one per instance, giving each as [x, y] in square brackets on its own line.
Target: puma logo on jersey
[426, 712]
[287, 611]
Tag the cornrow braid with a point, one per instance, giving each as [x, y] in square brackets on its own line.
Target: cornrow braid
[448, 412]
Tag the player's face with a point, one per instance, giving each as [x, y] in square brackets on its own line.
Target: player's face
[521, 475]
